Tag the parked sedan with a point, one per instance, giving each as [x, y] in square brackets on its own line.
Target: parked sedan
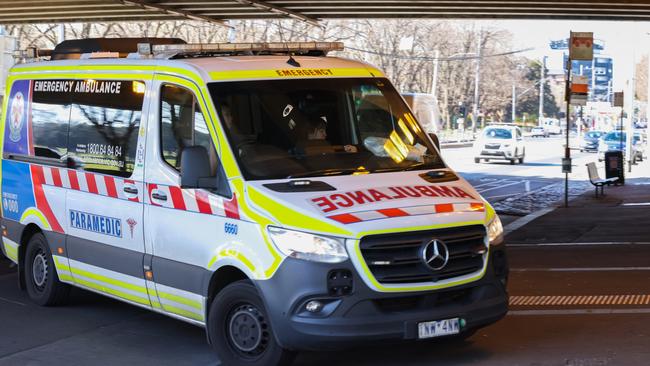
[590, 141]
[617, 141]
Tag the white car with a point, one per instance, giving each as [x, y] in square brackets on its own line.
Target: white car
[552, 126]
[500, 142]
[538, 132]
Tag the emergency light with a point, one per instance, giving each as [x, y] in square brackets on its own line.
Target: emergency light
[289, 48]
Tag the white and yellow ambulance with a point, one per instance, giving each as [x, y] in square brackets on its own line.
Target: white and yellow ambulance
[281, 199]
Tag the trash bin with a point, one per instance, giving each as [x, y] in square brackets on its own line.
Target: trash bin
[614, 166]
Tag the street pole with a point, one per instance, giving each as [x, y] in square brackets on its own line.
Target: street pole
[567, 150]
[434, 82]
[477, 80]
[541, 93]
[629, 123]
[61, 33]
[647, 108]
[514, 100]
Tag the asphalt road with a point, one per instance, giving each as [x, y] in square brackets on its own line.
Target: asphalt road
[498, 180]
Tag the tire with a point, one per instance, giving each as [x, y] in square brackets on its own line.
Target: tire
[513, 161]
[239, 307]
[477, 160]
[521, 159]
[42, 282]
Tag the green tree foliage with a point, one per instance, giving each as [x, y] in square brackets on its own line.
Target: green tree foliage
[528, 95]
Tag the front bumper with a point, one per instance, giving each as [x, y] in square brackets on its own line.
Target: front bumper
[589, 147]
[496, 154]
[368, 316]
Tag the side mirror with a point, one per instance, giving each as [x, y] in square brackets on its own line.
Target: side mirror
[435, 140]
[195, 168]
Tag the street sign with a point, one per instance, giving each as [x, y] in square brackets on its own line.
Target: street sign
[581, 46]
[618, 99]
[578, 99]
[579, 90]
[566, 165]
[580, 84]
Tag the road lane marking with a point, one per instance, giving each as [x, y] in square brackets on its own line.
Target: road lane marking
[525, 220]
[527, 245]
[582, 300]
[499, 187]
[581, 269]
[12, 301]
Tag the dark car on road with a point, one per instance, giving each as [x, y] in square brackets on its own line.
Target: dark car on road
[617, 141]
[590, 141]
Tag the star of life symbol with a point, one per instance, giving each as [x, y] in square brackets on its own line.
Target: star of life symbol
[132, 224]
[17, 116]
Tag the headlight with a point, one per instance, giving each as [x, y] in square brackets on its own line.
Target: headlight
[495, 231]
[309, 247]
[506, 145]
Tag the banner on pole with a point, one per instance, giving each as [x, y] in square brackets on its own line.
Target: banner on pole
[581, 46]
[618, 99]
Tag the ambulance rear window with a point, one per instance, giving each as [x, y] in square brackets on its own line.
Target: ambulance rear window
[89, 124]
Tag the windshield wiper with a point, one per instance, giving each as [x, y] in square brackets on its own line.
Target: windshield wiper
[327, 172]
[398, 169]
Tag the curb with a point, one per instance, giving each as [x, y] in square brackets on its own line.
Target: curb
[525, 220]
[455, 145]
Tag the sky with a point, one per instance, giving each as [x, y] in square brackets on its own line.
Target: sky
[624, 41]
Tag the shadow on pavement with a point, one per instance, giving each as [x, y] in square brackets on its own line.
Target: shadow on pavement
[622, 215]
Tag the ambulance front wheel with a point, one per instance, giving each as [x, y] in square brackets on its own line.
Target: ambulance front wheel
[42, 282]
[240, 330]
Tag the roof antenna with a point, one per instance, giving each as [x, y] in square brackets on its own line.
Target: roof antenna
[292, 61]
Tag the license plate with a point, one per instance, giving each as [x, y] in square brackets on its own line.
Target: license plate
[438, 328]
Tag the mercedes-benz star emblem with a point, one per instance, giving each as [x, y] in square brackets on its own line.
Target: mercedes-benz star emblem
[435, 254]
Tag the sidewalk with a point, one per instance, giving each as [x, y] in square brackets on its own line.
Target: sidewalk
[622, 215]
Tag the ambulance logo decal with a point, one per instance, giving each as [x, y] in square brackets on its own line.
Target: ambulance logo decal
[131, 222]
[17, 117]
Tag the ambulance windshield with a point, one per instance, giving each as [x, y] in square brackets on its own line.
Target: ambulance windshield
[321, 127]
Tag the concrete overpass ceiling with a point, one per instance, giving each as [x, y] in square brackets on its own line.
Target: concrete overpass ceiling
[311, 11]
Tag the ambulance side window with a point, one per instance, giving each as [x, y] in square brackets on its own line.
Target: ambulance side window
[182, 125]
[104, 124]
[50, 117]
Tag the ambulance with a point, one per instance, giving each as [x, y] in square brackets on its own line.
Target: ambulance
[279, 198]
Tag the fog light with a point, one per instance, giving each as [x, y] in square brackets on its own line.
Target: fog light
[314, 306]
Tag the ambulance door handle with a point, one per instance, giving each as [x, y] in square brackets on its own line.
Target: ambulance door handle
[158, 195]
[130, 189]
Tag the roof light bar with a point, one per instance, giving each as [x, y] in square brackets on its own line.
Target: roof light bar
[289, 47]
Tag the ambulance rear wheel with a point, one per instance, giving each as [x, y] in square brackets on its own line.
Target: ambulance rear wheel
[41, 280]
[240, 330]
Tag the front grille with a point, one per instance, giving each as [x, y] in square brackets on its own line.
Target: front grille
[492, 146]
[397, 258]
